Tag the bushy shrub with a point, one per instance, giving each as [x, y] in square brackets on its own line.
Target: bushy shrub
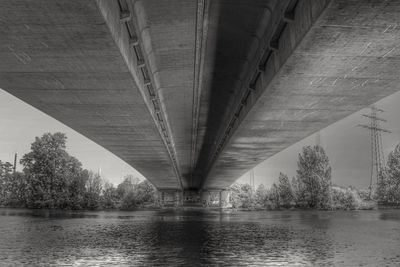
[345, 198]
[242, 196]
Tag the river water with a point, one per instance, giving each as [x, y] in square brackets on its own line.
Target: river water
[200, 238]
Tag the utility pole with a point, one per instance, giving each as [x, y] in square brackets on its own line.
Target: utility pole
[318, 138]
[15, 163]
[252, 179]
[377, 155]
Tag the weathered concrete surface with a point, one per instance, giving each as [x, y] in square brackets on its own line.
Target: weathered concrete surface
[233, 37]
[170, 198]
[168, 31]
[60, 57]
[205, 198]
[210, 198]
[224, 199]
[349, 59]
[191, 198]
[194, 93]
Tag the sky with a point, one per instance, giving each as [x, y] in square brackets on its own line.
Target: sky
[347, 146]
[20, 123]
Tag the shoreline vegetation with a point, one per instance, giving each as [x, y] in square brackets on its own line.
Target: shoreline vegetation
[53, 179]
[278, 198]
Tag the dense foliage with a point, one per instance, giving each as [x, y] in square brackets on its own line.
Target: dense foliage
[52, 178]
[285, 191]
[345, 198]
[313, 177]
[311, 188]
[388, 187]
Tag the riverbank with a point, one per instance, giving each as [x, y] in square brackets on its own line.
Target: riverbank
[368, 205]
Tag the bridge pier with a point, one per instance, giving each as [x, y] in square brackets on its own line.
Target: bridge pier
[170, 198]
[207, 198]
[224, 199]
[215, 198]
[191, 198]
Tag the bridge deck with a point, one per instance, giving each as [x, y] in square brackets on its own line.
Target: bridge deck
[194, 93]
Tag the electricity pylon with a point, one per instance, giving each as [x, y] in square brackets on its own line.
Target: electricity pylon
[377, 155]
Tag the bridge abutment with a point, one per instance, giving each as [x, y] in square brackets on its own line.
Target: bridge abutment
[170, 198]
[215, 198]
[224, 199]
[206, 198]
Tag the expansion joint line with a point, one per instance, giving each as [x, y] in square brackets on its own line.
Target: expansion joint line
[200, 38]
[155, 106]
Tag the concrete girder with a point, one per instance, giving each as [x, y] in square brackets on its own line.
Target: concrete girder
[345, 62]
[231, 46]
[75, 63]
[194, 93]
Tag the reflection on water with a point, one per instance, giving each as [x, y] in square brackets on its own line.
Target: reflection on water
[193, 238]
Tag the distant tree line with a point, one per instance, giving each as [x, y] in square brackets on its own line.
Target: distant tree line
[51, 178]
[312, 187]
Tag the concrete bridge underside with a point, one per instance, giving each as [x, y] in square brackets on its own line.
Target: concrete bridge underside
[194, 93]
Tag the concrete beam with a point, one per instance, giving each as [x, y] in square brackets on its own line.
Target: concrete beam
[231, 44]
[142, 71]
[326, 67]
[74, 61]
[171, 33]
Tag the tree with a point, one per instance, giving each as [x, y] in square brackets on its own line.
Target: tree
[273, 196]
[285, 190]
[127, 186]
[145, 193]
[126, 192]
[15, 186]
[50, 172]
[345, 198]
[382, 187]
[298, 192]
[94, 187]
[5, 168]
[77, 190]
[242, 196]
[6, 177]
[261, 197]
[234, 198]
[388, 187]
[110, 196]
[314, 176]
[52, 178]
